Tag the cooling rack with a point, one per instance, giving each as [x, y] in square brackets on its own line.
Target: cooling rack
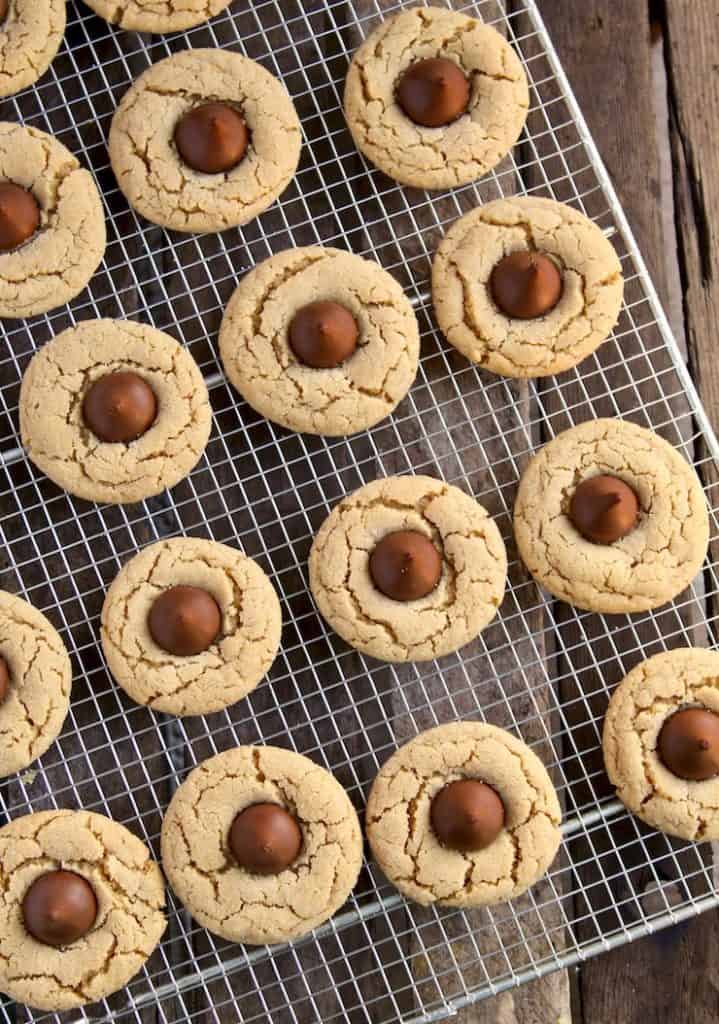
[541, 669]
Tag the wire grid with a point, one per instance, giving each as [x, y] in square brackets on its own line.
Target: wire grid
[542, 669]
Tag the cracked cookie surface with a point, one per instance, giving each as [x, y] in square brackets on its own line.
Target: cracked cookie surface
[639, 707]
[57, 262]
[130, 920]
[30, 37]
[470, 590]
[399, 827]
[231, 667]
[582, 319]
[157, 15]
[229, 900]
[33, 713]
[435, 158]
[260, 363]
[61, 445]
[151, 173]
[651, 564]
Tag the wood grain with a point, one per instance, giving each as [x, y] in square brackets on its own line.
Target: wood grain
[693, 29]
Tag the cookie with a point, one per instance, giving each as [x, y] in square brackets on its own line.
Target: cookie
[35, 681]
[572, 538]
[435, 98]
[52, 232]
[661, 742]
[114, 411]
[248, 141]
[463, 815]
[408, 569]
[151, 16]
[320, 340]
[82, 908]
[190, 626]
[261, 845]
[526, 287]
[30, 35]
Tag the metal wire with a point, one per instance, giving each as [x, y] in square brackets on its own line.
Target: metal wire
[541, 669]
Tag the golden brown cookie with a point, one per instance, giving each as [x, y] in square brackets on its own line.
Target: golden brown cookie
[200, 857]
[371, 378]
[160, 184]
[58, 434]
[127, 926]
[236, 657]
[562, 321]
[649, 565]
[647, 698]
[151, 16]
[35, 681]
[492, 113]
[401, 817]
[30, 36]
[470, 569]
[57, 258]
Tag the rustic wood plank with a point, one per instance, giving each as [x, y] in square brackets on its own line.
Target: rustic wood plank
[694, 109]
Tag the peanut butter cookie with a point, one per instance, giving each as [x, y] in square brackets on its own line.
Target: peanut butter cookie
[261, 845]
[408, 569]
[526, 287]
[609, 517]
[151, 16]
[321, 341]
[190, 626]
[661, 742]
[35, 681]
[463, 815]
[82, 908]
[204, 140]
[435, 98]
[114, 411]
[52, 233]
[30, 35]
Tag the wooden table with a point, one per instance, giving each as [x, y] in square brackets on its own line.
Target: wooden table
[647, 78]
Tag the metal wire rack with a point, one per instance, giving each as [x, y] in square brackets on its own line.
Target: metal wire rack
[541, 669]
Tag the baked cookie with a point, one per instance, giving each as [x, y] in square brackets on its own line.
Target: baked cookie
[261, 845]
[435, 98]
[661, 742]
[190, 626]
[610, 518]
[35, 681]
[52, 228]
[321, 341]
[151, 16]
[114, 411]
[204, 140]
[82, 908]
[30, 35]
[463, 815]
[408, 569]
[526, 287]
